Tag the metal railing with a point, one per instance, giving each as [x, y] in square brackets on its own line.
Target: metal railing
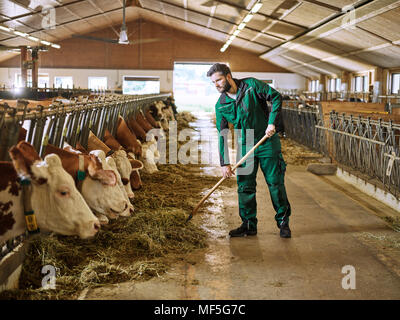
[371, 147]
[70, 123]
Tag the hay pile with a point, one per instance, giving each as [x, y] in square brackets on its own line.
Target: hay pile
[297, 154]
[132, 248]
[184, 118]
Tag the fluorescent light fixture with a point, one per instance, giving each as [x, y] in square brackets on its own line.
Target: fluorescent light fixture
[232, 37]
[256, 7]
[236, 32]
[248, 18]
[223, 49]
[229, 42]
[33, 38]
[57, 46]
[21, 34]
[241, 26]
[5, 28]
[45, 42]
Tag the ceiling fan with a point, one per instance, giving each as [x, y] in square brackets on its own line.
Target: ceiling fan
[122, 35]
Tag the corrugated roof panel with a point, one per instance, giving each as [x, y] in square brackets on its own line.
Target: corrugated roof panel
[284, 30]
[299, 56]
[387, 57]
[174, 11]
[339, 3]
[221, 25]
[197, 18]
[386, 25]
[353, 39]
[276, 8]
[319, 49]
[11, 9]
[308, 14]
[267, 40]
[229, 13]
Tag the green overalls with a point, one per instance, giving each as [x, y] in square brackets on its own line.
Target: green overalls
[250, 111]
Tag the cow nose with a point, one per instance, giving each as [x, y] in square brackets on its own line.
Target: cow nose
[131, 210]
[97, 225]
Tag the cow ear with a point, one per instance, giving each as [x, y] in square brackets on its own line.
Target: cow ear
[99, 154]
[136, 164]
[18, 161]
[53, 160]
[97, 172]
[23, 155]
[111, 162]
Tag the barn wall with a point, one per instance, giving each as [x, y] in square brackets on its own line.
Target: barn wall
[281, 80]
[114, 77]
[161, 55]
[80, 76]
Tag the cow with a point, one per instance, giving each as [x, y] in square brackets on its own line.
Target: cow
[109, 164]
[98, 186]
[149, 154]
[57, 204]
[151, 120]
[128, 139]
[136, 165]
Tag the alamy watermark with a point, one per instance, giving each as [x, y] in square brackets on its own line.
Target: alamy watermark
[49, 280]
[349, 19]
[48, 12]
[200, 147]
[349, 280]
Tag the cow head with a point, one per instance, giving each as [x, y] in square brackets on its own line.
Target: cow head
[105, 197]
[124, 167]
[135, 180]
[58, 205]
[112, 165]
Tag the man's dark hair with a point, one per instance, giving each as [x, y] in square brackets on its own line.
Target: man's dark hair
[219, 67]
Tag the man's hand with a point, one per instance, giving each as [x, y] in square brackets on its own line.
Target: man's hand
[270, 130]
[227, 171]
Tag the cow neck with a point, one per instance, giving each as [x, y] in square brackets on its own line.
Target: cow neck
[29, 213]
[81, 172]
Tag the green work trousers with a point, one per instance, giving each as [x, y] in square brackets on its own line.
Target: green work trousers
[274, 168]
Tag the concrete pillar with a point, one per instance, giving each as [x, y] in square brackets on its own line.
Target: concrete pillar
[24, 70]
[35, 67]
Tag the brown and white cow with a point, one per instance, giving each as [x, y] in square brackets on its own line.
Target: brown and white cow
[128, 167]
[109, 164]
[99, 186]
[56, 202]
[128, 139]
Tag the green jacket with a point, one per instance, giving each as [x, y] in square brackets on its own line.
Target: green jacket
[250, 111]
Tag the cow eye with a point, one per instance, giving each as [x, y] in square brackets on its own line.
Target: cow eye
[63, 193]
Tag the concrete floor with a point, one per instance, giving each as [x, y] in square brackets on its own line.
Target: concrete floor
[333, 225]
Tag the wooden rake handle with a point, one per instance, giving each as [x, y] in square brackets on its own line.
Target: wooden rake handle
[223, 178]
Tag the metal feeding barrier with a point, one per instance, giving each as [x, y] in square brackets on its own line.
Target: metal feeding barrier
[59, 123]
[371, 147]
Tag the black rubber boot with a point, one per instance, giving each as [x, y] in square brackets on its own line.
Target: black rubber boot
[244, 230]
[285, 230]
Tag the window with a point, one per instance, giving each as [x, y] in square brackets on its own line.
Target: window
[63, 82]
[315, 86]
[334, 85]
[396, 83]
[361, 84]
[338, 84]
[97, 83]
[43, 80]
[140, 85]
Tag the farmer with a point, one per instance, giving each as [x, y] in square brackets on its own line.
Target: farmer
[244, 104]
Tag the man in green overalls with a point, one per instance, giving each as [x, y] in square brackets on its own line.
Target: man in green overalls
[244, 104]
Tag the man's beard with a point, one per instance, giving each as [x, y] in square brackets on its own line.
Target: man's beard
[227, 86]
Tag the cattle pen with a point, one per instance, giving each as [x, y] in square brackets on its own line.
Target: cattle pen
[225, 151]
